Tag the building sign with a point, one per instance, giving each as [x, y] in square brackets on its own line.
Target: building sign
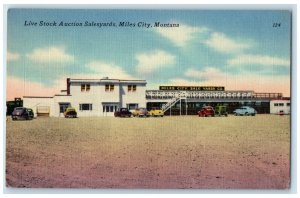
[191, 88]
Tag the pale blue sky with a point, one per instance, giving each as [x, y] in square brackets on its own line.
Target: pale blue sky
[228, 48]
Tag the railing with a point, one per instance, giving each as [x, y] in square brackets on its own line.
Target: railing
[162, 94]
[268, 95]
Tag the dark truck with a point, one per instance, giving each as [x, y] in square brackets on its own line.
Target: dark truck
[123, 112]
[22, 113]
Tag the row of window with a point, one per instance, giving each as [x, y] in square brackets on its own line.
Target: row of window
[106, 108]
[108, 88]
[281, 104]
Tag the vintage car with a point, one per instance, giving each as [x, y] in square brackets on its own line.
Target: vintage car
[156, 112]
[245, 110]
[221, 110]
[206, 111]
[140, 112]
[122, 112]
[70, 113]
[22, 113]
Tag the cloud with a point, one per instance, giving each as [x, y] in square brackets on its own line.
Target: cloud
[12, 56]
[206, 73]
[210, 76]
[183, 82]
[180, 35]
[150, 62]
[18, 87]
[222, 43]
[101, 69]
[54, 54]
[248, 59]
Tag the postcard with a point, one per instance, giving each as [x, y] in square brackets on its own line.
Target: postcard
[148, 98]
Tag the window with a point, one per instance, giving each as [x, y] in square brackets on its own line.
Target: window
[109, 87]
[63, 107]
[131, 88]
[85, 87]
[110, 107]
[281, 104]
[288, 104]
[275, 104]
[85, 107]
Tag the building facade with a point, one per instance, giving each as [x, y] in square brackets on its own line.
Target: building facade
[181, 102]
[91, 97]
[102, 97]
[280, 107]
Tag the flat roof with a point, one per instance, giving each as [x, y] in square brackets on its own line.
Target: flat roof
[37, 96]
[106, 80]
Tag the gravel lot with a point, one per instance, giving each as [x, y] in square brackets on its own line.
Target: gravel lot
[170, 152]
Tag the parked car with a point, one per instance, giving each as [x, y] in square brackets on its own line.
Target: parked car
[30, 113]
[70, 113]
[221, 110]
[156, 112]
[122, 112]
[206, 111]
[140, 112]
[245, 110]
[22, 113]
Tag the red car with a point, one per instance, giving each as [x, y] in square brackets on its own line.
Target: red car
[206, 111]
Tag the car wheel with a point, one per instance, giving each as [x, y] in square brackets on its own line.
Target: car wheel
[253, 114]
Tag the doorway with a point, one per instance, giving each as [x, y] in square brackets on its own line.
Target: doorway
[62, 107]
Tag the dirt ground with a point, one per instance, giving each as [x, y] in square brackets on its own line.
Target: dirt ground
[163, 153]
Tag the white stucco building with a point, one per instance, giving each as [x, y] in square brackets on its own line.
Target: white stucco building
[91, 97]
[280, 106]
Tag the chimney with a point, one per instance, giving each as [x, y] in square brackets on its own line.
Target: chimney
[68, 86]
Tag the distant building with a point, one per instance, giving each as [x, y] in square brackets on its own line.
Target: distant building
[10, 105]
[280, 106]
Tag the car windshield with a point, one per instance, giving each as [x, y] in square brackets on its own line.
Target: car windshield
[19, 109]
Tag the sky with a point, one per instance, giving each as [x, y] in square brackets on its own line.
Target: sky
[240, 50]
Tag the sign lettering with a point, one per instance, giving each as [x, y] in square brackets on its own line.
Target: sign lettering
[191, 88]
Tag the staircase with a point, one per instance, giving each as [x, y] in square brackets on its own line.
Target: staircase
[173, 101]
